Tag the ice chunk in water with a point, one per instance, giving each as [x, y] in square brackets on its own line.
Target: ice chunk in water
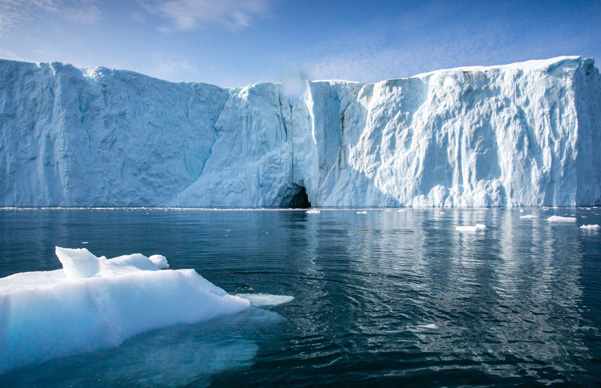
[561, 219]
[472, 229]
[100, 303]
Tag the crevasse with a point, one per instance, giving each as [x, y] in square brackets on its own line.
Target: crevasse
[515, 135]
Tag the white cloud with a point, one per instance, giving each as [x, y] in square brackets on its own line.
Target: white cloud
[191, 14]
[13, 12]
[171, 68]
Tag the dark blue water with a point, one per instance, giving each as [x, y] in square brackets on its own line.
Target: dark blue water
[519, 305]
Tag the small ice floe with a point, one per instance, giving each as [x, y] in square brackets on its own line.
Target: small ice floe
[561, 219]
[264, 300]
[313, 211]
[84, 242]
[521, 210]
[528, 217]
[362, 212]
[472, 229]
[441, 213]
[94, 303]
[430, 326]
[401, 210]
[591, 228]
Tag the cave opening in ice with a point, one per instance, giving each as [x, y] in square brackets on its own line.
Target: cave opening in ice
[298, 199]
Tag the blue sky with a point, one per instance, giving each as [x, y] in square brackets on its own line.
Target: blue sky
[239, 42]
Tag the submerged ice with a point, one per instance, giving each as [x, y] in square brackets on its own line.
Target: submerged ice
[94, 302]
[514, 135]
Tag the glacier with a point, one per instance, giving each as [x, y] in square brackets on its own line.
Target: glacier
[514, 135]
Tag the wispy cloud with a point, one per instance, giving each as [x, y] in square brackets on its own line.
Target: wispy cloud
[170, 67]
[438, 35]
[192, 14]
[13, 12]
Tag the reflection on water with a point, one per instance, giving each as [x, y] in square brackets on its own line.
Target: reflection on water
[385, 297]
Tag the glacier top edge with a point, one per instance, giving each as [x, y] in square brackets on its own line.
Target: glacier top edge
[538, 64]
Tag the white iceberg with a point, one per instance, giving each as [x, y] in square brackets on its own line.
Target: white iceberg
[45, 315]
[561, 219]
[528, 217]
[472, 229]
[313, 211]
[594, 227]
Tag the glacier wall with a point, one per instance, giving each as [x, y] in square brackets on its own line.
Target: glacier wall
[514, 135]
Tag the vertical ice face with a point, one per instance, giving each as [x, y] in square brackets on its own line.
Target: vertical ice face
[514, 135]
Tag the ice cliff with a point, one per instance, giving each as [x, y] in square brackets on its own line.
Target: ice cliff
[514, 135]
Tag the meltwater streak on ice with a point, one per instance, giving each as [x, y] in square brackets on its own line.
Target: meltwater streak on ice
[514, 135]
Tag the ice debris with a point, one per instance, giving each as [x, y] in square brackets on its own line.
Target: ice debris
[561, 219]
[471, 229]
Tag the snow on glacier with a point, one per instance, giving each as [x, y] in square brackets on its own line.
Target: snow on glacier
[513, 135]
[45, 315]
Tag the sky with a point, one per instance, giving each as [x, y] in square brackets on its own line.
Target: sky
[240, 42]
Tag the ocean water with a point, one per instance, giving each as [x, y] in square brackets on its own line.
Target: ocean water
[385, 298]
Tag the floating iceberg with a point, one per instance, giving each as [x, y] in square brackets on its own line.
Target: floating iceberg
[528, 217]
[516, 135]
[594, 227]
[561, 219]
[45, 315]
[472, 229]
